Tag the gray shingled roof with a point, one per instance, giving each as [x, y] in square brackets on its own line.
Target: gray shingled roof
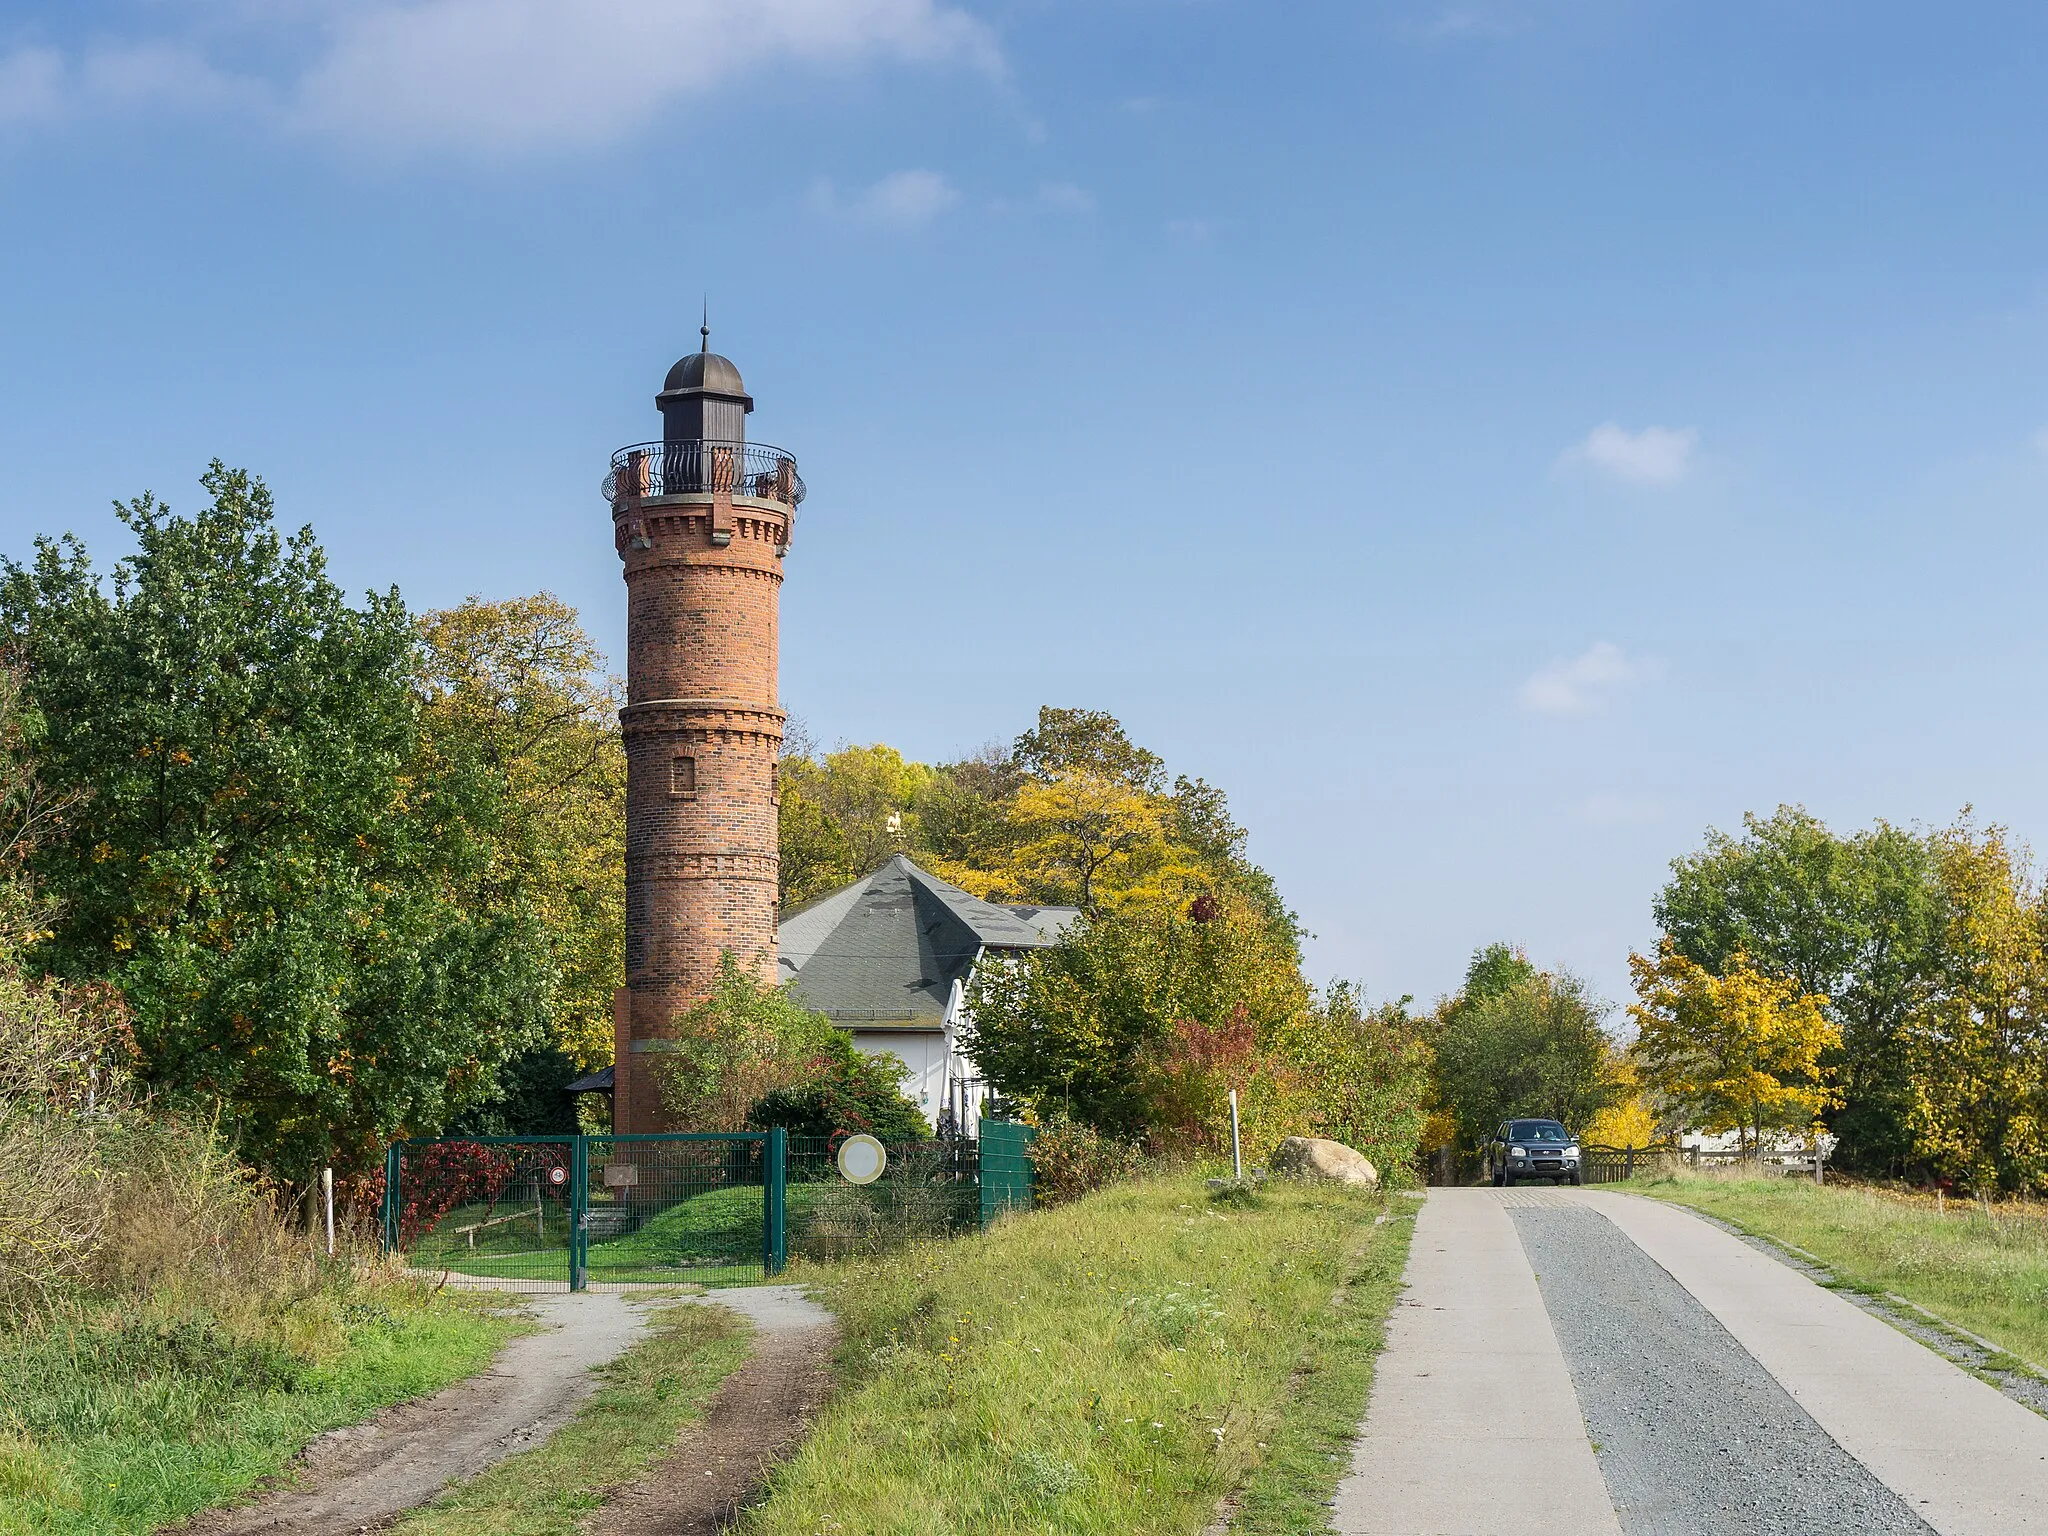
[887, 949]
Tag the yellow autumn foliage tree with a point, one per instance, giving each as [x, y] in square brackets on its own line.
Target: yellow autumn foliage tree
[1977, 1042]
[1631, 1121]
[1740, 1050]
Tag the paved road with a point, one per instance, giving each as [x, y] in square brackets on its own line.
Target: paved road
[1725, 1392]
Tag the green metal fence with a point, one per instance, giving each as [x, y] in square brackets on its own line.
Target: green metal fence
[1005, 1167]
[927, 1189]
[582, 1212]
[577, 1212]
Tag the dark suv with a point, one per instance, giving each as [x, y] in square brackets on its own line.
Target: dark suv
[1533, 1149]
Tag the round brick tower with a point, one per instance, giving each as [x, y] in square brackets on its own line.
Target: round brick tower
[702, 520]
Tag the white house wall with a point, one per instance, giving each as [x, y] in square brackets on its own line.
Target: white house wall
[923, 1052]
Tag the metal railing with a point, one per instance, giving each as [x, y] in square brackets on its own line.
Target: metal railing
[573, 1212]
[714, 1208]
[646, 470]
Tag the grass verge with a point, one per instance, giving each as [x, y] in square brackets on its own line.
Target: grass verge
[119, 1422]
[648, 1395]
[1113, 1366]
[1289, 1492]
[1987, 1272]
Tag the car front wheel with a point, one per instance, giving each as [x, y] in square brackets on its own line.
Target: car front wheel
[1578, 1178]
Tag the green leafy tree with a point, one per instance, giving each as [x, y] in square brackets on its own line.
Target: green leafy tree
[745, 1041]
[515, 699]
[843, 815]
[1854, 920]
[1977, 1042]
[1519, 1041]
[1358, 1074]
[1087, 1026]
[264, 855]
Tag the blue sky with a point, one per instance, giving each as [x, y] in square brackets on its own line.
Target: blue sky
[1493, 441]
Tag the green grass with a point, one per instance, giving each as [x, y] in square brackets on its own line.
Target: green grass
[122, 1422]
[1114, 1366]
[712, 1238]
[1988, 1274]
[1289, 1492]
[648, 1395]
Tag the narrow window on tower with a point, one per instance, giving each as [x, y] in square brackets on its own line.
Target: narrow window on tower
[775, 783]
[682, 775]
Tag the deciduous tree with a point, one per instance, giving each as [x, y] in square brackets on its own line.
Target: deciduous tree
[1853, 919]
[1519, 1041]
[1977, 1041]
[515, 693]
[257, 857]
[1741, 1050]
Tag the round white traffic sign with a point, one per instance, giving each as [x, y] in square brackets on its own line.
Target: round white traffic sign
[558, 1175]
[862, 1159]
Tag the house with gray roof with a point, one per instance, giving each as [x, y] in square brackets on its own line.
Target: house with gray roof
[889, 957]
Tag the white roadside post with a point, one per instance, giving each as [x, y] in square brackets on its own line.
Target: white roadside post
[1236, 1154]
[327, 1192]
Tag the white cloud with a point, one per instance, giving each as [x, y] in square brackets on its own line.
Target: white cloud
[495, 77]
[41, 85]
[1653, 456]
[1064, 197]
[1189, 231]
[1584, 684]
[31, 85]
[1471, 21]
[1051, 197]
[515, 75]
[905, 199]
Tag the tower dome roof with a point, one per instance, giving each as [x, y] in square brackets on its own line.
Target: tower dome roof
[706, 371]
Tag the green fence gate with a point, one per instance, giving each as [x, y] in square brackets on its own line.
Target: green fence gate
[1005, 1167]
[582, 1211]
[724, 1208]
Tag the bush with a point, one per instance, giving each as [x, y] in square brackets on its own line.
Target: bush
[859, 1094]
[105, 1200]
[1070, 1159]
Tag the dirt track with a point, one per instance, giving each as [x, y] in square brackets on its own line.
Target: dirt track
[359, 1478]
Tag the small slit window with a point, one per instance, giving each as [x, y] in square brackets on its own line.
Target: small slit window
[682, 774]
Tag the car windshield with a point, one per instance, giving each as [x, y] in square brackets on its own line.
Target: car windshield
[1536, 1130]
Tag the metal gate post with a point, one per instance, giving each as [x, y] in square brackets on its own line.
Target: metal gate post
[775, 1195]
[393, 1157]
[579, 1213]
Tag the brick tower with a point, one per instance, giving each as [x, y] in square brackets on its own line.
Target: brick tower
[702, 520]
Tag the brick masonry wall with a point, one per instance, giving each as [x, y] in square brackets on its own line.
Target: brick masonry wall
[703, 731]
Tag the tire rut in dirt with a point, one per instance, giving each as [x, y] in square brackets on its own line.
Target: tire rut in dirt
[755, 1418]
[1692, 1434]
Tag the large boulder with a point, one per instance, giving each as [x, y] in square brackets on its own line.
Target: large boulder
[1312, 1157]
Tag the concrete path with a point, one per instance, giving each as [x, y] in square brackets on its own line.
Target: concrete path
[1475, 1429]
[1967, 1458]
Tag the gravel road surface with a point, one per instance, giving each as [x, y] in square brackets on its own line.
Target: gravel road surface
[1692, 1433]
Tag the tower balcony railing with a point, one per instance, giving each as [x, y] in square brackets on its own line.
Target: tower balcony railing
[647, 470]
